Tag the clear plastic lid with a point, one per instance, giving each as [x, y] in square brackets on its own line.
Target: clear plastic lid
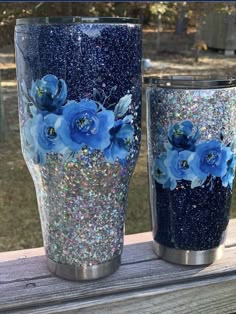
[75, 20]
[189, 81]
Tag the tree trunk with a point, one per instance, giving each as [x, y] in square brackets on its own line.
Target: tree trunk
[182, 20]
[197, 38]
[69, 9]
[159, 28]
[2, 115]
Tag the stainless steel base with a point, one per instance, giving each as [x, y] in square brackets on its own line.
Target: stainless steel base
[71, 272]
[187, 257]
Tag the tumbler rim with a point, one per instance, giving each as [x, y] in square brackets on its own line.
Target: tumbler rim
[76, 20]
[191, 81]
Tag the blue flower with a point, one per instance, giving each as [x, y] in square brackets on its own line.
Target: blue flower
[44, 138]
[178, 165]
[49, 93]
[121, 136]
[228, 179]
[173, 167]
[210, 158]
[182, 135]
[81, 124]
[160, 172]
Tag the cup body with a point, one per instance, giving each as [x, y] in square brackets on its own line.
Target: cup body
[79, 88]
[191, 126]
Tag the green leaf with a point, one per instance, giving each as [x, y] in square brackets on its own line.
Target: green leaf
[196, 183]
[122, 106]
[33, 110]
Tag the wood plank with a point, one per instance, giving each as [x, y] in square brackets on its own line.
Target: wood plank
[26, 283]
[35, 286]
[231, 236]
[21, 254]
[187, 298]
[217, 299]
[120, 302]
[138, 238]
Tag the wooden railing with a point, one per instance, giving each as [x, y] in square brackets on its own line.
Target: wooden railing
[143, 284]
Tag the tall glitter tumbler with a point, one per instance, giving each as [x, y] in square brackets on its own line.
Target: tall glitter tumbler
[191, 126]
[79, 87]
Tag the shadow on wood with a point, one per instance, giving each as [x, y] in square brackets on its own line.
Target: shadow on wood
[143, 284]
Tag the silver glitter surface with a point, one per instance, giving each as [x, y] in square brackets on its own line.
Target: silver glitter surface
[213, 110]
[82, 208]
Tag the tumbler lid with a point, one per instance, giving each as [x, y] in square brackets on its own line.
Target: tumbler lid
[191, 82]
[75, 20]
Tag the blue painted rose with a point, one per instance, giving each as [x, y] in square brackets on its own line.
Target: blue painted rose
[81, 124]
[45, 138]
[182, 135]
[228, 179]
[160, 172]
[121, 138]
[49, 93]
[178, 165]
[210, 158]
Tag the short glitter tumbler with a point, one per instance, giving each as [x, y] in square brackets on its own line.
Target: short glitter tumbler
[191, 135]
[79, 87]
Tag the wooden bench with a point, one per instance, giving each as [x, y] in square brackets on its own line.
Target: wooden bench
[143, 284]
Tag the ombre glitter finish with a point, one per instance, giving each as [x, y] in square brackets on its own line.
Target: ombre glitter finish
[190, 208]
[82, 194]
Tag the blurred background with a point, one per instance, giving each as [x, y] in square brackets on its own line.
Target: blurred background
[178, 38]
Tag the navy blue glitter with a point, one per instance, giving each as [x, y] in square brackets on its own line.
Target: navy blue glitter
[192, 219]
[86, 56]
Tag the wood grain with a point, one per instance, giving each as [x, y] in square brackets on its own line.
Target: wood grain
[217, 299]
[177, 299]
[143, 281]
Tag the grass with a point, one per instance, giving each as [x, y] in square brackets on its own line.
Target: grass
[138, 214]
